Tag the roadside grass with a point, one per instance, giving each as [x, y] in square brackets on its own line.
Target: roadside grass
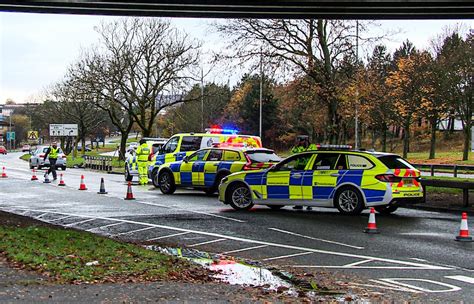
[64, 254]
[441, 158]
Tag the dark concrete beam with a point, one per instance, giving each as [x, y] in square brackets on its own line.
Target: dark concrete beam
[336, 9]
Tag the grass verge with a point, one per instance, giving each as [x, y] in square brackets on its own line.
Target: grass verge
[63, 255]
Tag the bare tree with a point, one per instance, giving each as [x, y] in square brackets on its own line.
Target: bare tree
[313, 47]
[145, 59]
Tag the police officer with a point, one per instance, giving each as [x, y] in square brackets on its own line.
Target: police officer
[52, 155]
[143, 151]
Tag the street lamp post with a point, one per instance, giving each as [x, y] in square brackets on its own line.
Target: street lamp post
[261, 97]
[356, 131]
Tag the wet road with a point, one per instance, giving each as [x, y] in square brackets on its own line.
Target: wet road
[415, 252]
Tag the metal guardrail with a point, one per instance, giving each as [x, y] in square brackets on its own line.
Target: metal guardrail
[101, 163]
[453, 168]
[465, 186]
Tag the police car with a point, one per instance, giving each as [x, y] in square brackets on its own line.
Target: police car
[205, 168]
[348, 180]
[131, 163]
[185, 144]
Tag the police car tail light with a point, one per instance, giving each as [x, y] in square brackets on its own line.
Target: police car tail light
[388, 178]
[41, 155]
[249, 165]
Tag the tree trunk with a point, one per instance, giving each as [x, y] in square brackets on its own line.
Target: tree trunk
[374, 138]
[384, 138]
[83, 142]
[406, 138]
[467, 140]
[433, 138]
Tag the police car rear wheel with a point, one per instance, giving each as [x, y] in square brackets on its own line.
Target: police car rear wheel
[239, 197]
[166, 183]
[386, 209]
[349, 201]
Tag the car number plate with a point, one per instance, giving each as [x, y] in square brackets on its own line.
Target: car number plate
[408, 182]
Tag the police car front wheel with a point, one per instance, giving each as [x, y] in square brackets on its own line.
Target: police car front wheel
[166, 181]
[348, 200]
[239, 197]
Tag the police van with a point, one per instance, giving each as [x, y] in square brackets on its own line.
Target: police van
[185, 144]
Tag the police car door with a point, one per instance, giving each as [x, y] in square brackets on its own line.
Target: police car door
[284, 181]
[210, 168]
[168, 151]
[189, 170]
[325, 177]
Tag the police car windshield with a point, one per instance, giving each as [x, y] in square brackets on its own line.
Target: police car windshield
[395, 162]
[262, 156]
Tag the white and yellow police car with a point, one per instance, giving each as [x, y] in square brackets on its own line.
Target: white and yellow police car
[205, 168]
[347, 180]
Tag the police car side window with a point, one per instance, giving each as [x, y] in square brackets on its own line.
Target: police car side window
[325, 161]
[191, 143]
[356, 162]
[198, 155]
[296, 163]
[214, 155]
[171, 145]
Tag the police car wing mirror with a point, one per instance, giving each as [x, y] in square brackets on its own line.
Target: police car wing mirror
[273, 168]
[186, 159]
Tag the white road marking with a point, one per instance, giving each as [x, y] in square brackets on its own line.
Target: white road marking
[106, 226]
[385, 285]
[167, 236]
[419, 260]
[396, 281]
[77, 223]
[205, 243]
[316, 239]
[427, 267]
[357, 263]
[287, 256]
[462, 278]
[246, 240]
[40, 216]
[244, 249]
[133, 231]
[192, 211]
[61, 218]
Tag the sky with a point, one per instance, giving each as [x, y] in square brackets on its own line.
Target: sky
[36, 49]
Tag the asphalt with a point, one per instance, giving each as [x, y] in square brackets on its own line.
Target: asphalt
[414, 256]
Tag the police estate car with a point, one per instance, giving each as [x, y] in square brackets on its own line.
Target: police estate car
[347, 180]
[205, 168]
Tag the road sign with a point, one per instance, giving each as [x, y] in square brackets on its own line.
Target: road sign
[63, 130]
[10, 136]
[32, 135]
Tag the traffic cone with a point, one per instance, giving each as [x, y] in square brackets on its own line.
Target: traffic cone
[102, 187]
[4, 174]
[464, 230]
[82, 186]
[61, 182]
[46, 179]
[129, 192]
[34, 177]
[372, 226]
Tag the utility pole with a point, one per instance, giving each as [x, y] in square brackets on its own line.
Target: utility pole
[357, 89]
[261, 95]
[202, 100]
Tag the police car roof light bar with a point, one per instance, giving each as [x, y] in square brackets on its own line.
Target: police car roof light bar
[215, 130]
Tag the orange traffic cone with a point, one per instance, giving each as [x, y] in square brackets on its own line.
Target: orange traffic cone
[4, 174]
[82, 186]
[61, 181]
[129, 192]
[464, 230]
[102, 187]
[34, 177]
[372, 226]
